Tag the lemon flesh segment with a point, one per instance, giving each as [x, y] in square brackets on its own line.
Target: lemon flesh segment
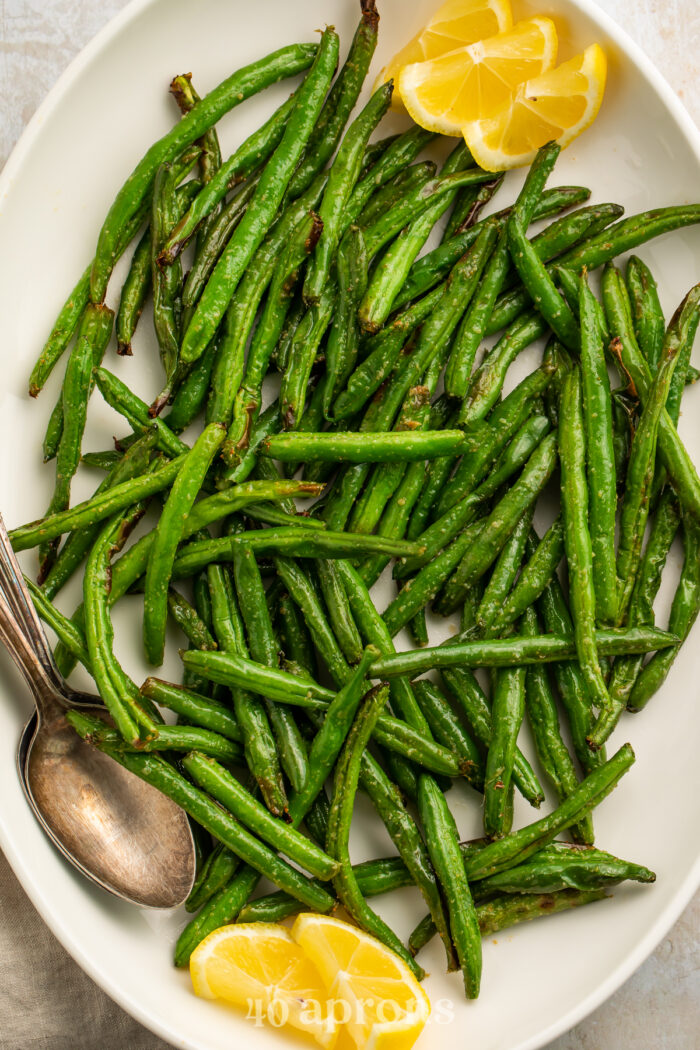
[556, 106]
[386, 1007]
[474, 82]
[260, 967]
[455, 24]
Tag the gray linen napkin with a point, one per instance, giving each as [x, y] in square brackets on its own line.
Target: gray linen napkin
[46, 1001]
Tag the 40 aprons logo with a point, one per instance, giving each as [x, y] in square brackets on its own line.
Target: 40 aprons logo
[333, 1012]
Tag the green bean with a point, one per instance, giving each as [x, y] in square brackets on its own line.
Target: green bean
[503, 576]
[465, 689]
[681, 332]
[338, 609]
[471, 330]
[404, 832]
[222, 908]
[431, 268]
[93, 336]
[302, 354]
[109, 501]
[129, 716]
[134, 293]
[374, 631]
[247, 401]
[340, 102]
[600, 459]
[239, 86]
[433, 341]
[422, 588]
[343, 175]
[197, 709]
[629, 233]
[303, 592]
[409, 207]
[534, 577]
[394, 266]
[543, 718]
[165, 281]
[640, 473]
[503, 912]
[674, 455]
[212, 243]
[501, 523]
[61, 334]
[342, 344]
[487, 441]
[443, 844]
[383, 353]
[168, 535]
[487, 381]
[222, 786]
[300, 543]
[550, 243]
[509, 652]
[412, 177]
[684, 611]
[119, 397]
[236, 670]
[264, 648]
[350, 447]
[518, 846]
[393, 162]
[187, 618]
[264, 204]
[468, 205]
[507, 710]
[170, 738]
[218, 869]
[577, 538]
[647, 315]
[191, 394]
[256, 149]
[54, 429]
[344, 790]
[271, 515]
[330, 737]
[133, 563]
[569, 678]
[541, 288]
[66, 631]
[449, 731]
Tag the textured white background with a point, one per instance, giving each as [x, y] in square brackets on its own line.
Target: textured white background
[659, 1007]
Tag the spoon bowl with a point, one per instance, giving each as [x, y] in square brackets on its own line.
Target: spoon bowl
[119, 831]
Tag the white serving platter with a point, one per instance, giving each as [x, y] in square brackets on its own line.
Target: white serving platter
[643, 151]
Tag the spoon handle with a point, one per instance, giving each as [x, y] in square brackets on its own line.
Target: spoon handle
[21, 606]
[20, 648]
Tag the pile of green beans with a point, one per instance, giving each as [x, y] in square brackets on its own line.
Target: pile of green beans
[295, 264]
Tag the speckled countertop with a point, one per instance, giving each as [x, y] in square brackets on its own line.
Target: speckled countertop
[659, 1007]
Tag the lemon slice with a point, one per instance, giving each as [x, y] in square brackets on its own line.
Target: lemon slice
[471, 83]
[386, 1007]
[558, 105]
[455, 24]
[260, 967]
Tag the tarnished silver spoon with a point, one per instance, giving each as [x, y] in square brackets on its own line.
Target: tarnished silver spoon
[117, 830]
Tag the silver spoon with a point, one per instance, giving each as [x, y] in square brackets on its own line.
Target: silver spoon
[118, 831]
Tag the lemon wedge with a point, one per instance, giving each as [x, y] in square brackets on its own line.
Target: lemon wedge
[386, 1008]
[554, 106]
[262, 968]
[471, 83]
[455, 24]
